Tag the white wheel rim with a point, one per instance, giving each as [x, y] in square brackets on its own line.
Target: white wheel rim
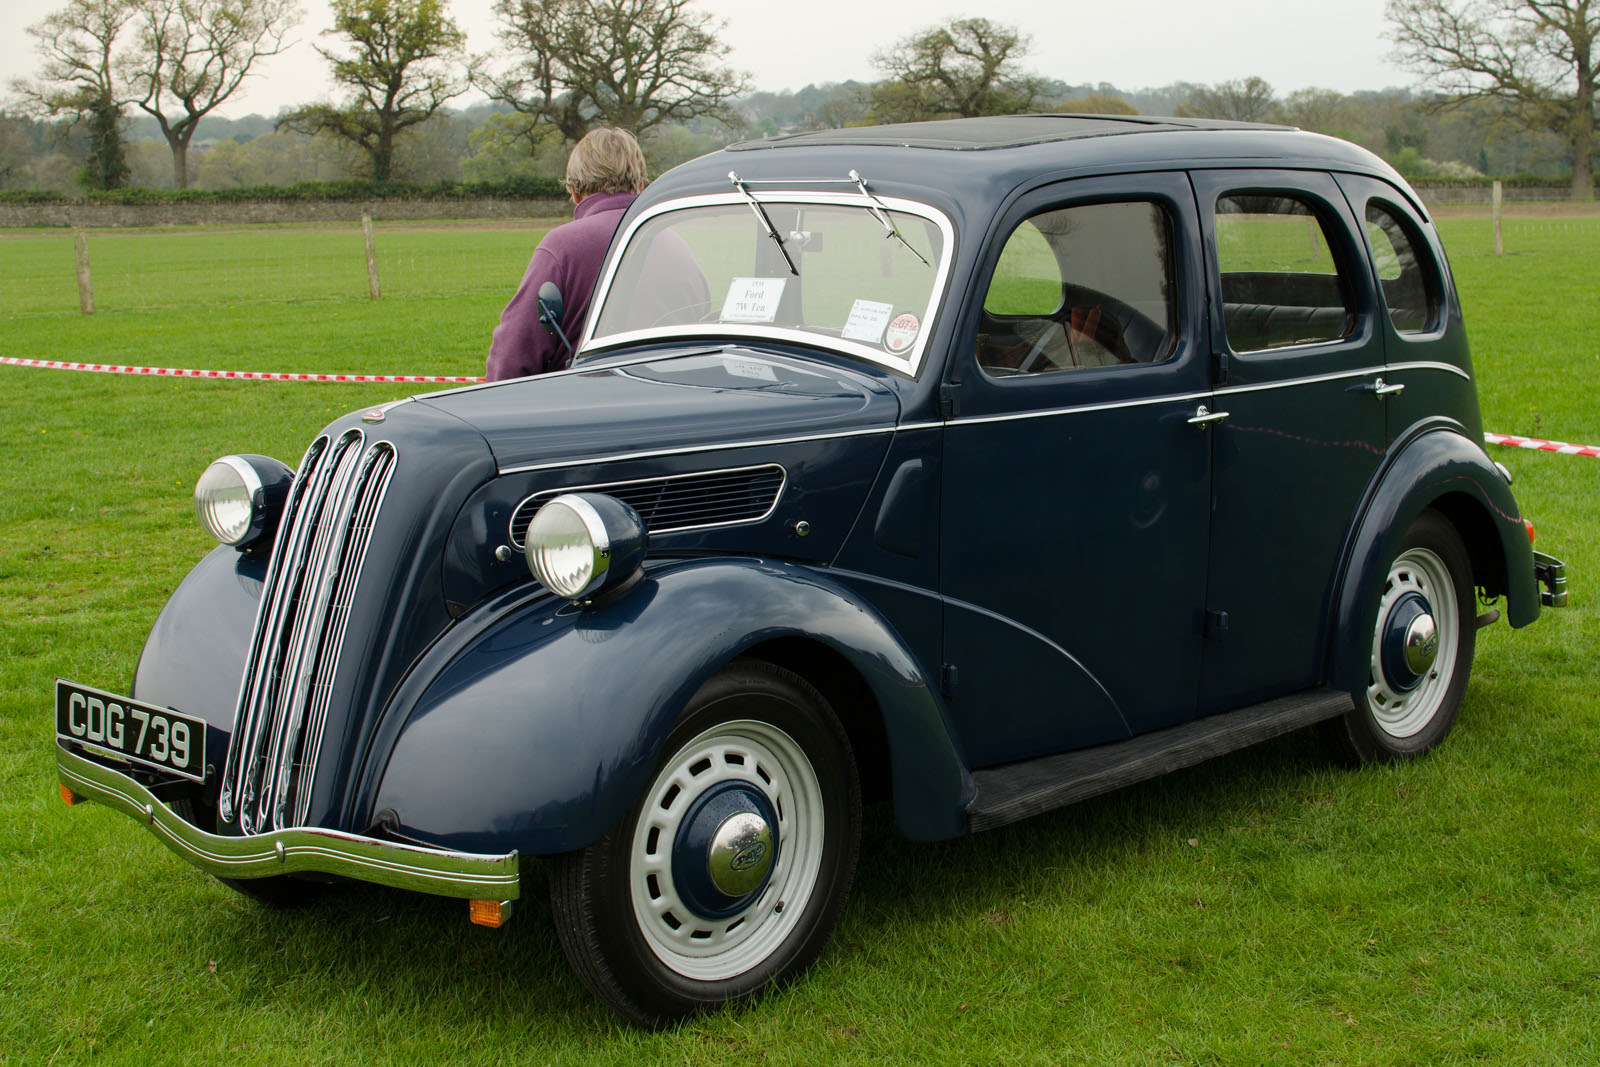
[1402, 713]
[761, 757]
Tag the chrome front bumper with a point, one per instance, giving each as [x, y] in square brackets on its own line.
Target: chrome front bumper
[293, 851]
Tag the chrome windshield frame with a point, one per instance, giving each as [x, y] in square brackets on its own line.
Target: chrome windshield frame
[909, 364]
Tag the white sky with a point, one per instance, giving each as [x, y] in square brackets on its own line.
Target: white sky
[1293, 44]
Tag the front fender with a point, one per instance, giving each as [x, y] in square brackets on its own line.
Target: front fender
[194, 657]
[1443, 469]
[539, 732]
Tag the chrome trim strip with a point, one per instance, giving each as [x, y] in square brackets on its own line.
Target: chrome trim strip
[604, 487]
[909, 365]
[619, 457]
[1423, 364]
[1082, 409]
[298, 849]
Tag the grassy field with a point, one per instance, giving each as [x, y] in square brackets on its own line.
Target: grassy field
[1265, 908]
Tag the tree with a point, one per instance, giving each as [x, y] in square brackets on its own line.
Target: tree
[632, 64]
[1241, 99]
[191, 55]
[407, 61]
[1098, 104]
[966, 67]
[79, 47]
[1537, 56]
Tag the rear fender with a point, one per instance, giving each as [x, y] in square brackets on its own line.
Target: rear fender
[1445, 470]
[538, 732]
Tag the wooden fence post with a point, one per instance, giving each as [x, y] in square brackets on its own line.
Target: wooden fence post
[372, 257]
[80, 252]
[1499, 245]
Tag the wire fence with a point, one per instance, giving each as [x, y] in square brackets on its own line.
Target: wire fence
[42, 272]
[201, 266]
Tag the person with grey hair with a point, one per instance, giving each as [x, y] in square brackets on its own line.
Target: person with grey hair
[605, 173]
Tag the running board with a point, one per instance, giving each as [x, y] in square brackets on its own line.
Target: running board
[1032, 787]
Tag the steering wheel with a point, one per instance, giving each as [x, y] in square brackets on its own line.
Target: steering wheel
[1089, 315]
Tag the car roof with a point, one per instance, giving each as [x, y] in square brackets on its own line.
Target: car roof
[968, 166]
[1001, 131]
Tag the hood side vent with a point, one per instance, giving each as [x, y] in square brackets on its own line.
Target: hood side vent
[679, 502]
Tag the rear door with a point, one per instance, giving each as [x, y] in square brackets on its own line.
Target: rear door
[1298, 358]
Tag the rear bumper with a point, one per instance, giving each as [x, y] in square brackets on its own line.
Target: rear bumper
[294, 851]
[1552, 576]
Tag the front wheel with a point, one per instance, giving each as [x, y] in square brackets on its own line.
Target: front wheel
[730, 871]
[1421, 651]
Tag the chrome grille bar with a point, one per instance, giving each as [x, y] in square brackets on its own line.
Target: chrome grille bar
[300, 626]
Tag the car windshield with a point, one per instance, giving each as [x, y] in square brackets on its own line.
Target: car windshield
[835, 275]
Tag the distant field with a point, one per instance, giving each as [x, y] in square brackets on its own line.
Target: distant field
[1266, 908]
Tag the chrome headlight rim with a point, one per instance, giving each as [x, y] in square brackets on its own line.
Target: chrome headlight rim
[260, 486]
[582, 545]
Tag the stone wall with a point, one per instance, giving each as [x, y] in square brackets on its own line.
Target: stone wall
[227, 213]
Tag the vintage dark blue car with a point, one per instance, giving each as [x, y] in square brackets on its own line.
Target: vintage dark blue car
[979, 466]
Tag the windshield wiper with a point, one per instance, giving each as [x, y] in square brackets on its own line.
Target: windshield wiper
[761, 213]
[881, 213]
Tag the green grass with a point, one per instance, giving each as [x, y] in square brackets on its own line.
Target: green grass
[1265, 908]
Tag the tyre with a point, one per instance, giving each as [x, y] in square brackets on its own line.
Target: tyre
[730, 871]
[1421, 650]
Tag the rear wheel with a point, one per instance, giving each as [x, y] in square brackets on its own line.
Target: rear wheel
[730, 871]
[1421, 650]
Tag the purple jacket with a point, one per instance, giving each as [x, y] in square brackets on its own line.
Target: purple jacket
[570, 255]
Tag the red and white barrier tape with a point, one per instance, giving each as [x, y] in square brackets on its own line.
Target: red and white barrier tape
[1510, 440]
[238, 375]
[1535, 443]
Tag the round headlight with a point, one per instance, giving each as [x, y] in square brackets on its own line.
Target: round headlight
[582, 544]
[239, 498]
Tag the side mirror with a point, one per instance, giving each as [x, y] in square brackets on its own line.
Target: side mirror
[550, 304]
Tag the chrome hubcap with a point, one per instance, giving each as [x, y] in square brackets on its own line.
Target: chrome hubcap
[741, 854]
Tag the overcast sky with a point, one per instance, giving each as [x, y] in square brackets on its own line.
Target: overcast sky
[1293, 44]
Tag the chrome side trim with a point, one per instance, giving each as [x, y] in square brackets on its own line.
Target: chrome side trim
[296, 850]
[618, 457]
[1081, 409]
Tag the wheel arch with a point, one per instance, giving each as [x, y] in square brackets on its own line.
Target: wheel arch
[556, 716]
[1443, 470]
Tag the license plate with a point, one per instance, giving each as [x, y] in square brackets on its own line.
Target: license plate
[157, 737]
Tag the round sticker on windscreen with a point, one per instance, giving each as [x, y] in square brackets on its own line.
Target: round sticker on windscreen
[901, 333]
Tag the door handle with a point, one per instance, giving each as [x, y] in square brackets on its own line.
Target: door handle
[1381, 388]
[1204, 417]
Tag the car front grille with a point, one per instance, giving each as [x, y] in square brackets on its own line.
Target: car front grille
[679, 502]
[305, 604]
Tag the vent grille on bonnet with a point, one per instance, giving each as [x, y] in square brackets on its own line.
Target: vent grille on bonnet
[305, 603]
[679, 502]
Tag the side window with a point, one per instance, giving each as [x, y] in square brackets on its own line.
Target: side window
[1079, 287]
[1407, 276]
[1281, 285]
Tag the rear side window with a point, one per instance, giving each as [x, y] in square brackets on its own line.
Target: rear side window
[1406, 275]
[1281, 284]
[1081, 287]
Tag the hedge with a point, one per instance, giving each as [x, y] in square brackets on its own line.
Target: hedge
[528, 188]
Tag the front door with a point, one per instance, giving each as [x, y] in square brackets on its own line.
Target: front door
[1299, 360]
[1076, 491]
